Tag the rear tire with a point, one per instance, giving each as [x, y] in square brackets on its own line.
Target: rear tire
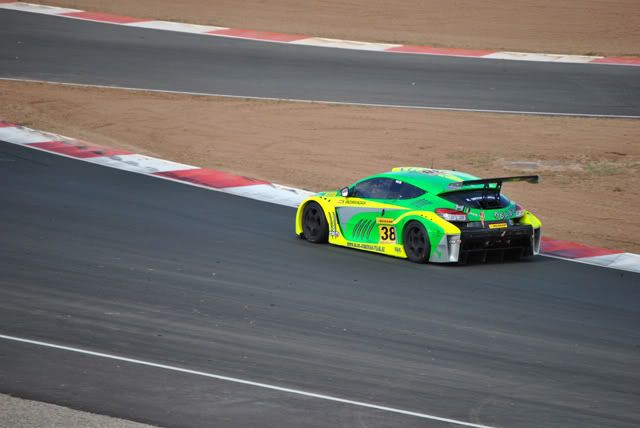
[416, 242]
[314, 223]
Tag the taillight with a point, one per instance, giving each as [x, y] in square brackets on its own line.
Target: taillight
[519, 210]
[451, 215]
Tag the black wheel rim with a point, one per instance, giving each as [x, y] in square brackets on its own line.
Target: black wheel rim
[312, 222]
[416, 242]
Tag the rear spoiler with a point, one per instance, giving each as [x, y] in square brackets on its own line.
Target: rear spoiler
[498, 181]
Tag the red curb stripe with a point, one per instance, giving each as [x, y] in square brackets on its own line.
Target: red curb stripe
[211, 178]
[103, 17]
[7, 125]
[259, 35]
[617, 60]
[78, 150]
[573, 250]
[440, 51]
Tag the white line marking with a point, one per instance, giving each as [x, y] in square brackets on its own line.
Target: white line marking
[243, 381]
[296, 100]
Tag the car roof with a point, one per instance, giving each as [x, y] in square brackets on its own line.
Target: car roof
[432, 180]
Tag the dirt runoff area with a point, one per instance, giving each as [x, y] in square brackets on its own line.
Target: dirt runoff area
[584, 27]
[590, 168]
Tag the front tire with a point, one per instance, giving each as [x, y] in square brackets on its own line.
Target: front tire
[416, 242]
[314, 223]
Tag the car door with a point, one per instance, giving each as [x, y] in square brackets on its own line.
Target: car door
[358, 214]
[369, 214]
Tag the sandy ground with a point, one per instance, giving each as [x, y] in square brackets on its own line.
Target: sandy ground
[17, 413]
[590, 168]
[610, 27]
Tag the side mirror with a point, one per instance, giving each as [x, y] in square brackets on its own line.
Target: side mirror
[345, 192]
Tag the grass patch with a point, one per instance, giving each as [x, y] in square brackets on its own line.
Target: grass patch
[602, 169]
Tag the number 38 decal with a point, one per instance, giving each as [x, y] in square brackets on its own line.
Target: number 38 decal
[387, 234]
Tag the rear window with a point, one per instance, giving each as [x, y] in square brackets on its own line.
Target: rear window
[474, 199]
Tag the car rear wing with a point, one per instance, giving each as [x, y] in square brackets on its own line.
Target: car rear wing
[497, 181]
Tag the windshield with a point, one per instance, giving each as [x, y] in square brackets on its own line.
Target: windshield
[477, 198]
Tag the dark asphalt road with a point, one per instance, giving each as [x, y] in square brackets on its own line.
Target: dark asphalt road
[121, 263]
[57, 49]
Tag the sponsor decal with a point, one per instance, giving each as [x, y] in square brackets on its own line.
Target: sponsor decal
[354, 202]
[366, 246]
[382, 220]
[497, 225]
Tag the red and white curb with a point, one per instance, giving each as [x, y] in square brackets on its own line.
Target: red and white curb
[251, 188]
[147, 165]
[590, 255]
[298, 39]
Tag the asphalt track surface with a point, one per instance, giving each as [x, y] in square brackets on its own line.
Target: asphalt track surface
[66, 50]
[115, 262]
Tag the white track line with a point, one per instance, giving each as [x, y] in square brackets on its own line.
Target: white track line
[295, 100]
[244, 382]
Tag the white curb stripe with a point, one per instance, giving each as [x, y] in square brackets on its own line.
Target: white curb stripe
[244, 382]
[37, 8]
[539, 57]
[139, 163]
[176, 26]
[271, 193]
[344, 44]
[623, 261]
[25, 135]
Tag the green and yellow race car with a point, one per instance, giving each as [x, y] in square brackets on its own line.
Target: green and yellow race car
[423, 214]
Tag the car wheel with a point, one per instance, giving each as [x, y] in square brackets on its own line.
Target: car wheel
[416, 242]
[314, 223]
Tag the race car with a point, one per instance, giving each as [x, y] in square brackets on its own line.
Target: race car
[423, 214]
